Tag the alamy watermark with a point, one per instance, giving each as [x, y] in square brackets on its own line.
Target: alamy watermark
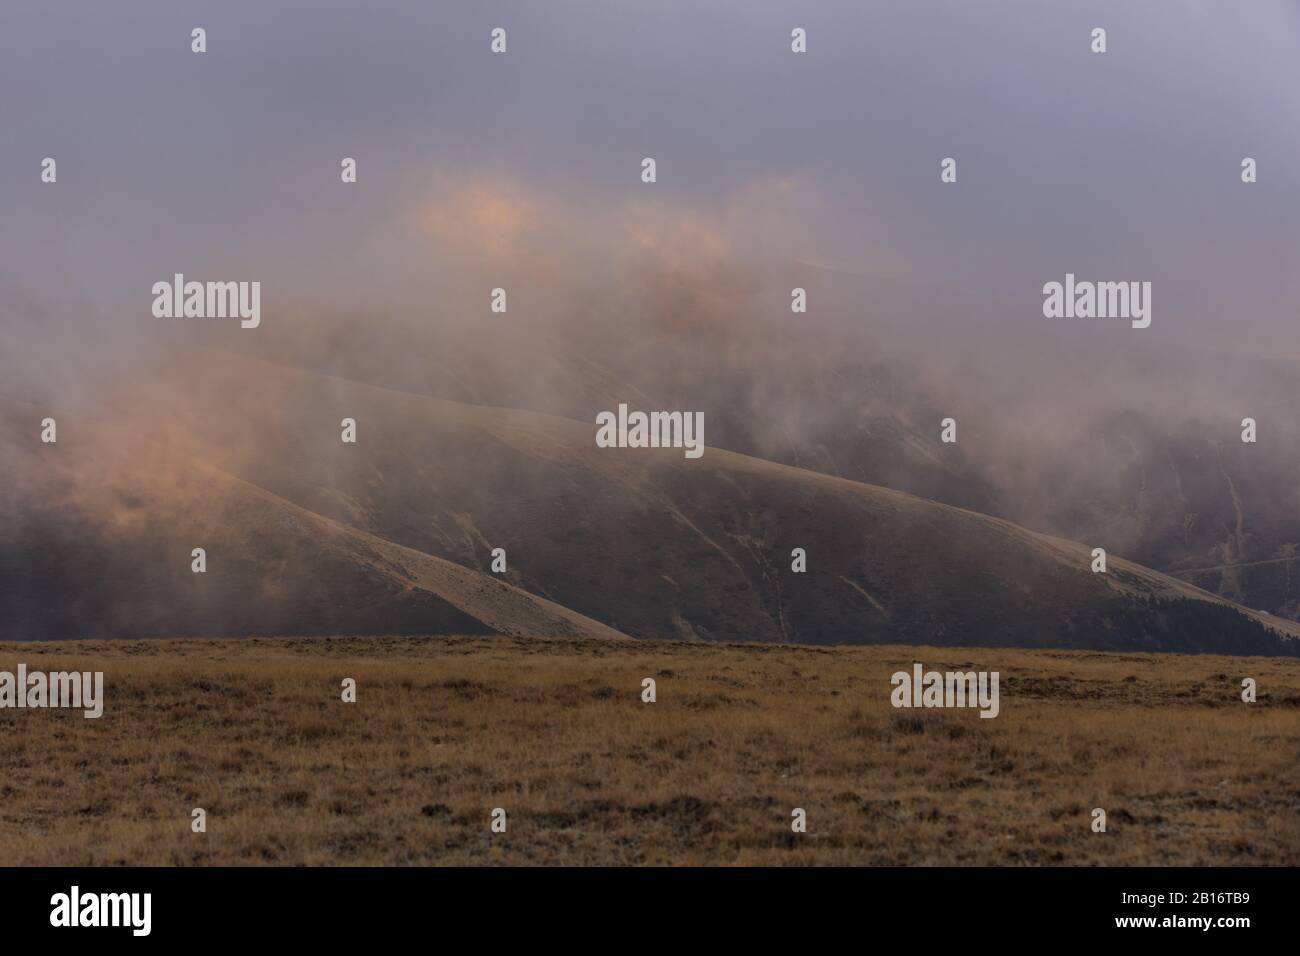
[1073, 299]
[179, 299]
[74, 908]
[36, 690]
[651, 430]
[923, 688]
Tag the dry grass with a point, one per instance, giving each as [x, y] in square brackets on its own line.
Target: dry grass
[555, 732]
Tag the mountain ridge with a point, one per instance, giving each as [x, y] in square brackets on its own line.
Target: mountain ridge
[600, 542]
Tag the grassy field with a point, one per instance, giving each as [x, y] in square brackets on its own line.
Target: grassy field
[555, 732]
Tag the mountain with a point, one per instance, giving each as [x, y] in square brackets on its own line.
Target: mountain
[103, 549]
[1092, 433]
[394, 534]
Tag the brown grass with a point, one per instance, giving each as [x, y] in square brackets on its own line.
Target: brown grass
[555, 732]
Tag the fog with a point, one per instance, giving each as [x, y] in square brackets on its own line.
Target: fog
[775, 170]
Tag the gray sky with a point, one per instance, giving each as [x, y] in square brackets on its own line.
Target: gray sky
[1116, 166]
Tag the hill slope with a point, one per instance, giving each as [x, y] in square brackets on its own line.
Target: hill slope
[103, 549]
[644, 540]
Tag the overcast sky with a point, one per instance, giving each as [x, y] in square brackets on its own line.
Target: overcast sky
[1117, 166]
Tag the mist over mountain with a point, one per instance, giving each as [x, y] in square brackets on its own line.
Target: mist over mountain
[395, 534]
[476, 428]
